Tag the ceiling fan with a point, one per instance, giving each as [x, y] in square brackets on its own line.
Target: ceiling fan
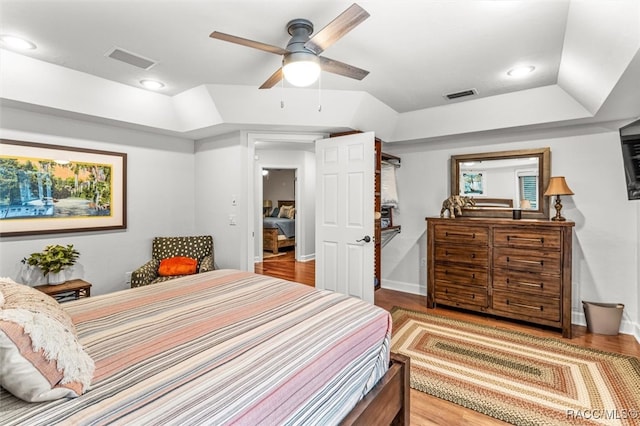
[301, 62]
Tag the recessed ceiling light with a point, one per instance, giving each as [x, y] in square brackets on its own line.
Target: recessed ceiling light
[521, 71]
[152, 84]
[15, 42]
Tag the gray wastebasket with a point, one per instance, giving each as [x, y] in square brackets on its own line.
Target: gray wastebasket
[603, 318]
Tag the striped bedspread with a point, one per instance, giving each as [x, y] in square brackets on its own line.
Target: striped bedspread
[223, 347]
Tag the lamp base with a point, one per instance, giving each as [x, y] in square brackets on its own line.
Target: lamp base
[558, 206]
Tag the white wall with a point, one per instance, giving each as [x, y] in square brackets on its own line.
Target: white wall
[160, 195]
[221, 197]
[605, 243]
[279, 185]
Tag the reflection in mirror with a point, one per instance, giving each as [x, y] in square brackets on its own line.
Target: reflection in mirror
[502, 181]
[490, 182]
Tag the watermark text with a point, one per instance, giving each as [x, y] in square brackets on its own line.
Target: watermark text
[604, 414]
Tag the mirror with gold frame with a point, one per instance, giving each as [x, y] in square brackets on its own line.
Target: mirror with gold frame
[500, 182]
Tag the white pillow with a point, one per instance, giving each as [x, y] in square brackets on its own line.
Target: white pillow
[40, 356]
[285, 211]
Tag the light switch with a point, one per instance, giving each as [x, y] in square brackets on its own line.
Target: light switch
[232, 220]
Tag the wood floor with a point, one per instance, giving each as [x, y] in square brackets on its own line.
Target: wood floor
[287, 268]
[425, 409]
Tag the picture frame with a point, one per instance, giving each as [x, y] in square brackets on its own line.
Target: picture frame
[47, 189]
[473, 183]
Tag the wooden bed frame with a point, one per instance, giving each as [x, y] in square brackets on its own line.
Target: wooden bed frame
[388, 403]
[270, 241]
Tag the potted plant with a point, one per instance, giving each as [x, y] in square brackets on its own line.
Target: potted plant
[53, 260]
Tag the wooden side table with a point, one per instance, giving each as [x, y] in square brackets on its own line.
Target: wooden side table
[69, 290]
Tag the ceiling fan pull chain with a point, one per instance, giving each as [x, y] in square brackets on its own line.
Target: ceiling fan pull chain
[282, 93]
[320, 93]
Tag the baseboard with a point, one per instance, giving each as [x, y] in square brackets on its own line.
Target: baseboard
[305, 258]
[403, 287]
[626, 327]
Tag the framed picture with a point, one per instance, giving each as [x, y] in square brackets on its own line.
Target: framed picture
[473, 183]
[48, 189]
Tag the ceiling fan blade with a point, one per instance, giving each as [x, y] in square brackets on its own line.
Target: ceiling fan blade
[249, 43]
[341, 68]
[337, 28]
[273, 80]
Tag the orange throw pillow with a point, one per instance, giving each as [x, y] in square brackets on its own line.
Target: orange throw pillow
[177, 266]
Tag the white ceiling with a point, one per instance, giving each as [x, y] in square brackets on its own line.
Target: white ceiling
[416, 50]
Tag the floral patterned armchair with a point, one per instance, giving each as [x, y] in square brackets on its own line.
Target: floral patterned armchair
[199, 248]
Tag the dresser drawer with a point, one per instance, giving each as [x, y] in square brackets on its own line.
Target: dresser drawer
[531, 282]
[527, 260]
[461, 296]
[458, 274]
[546, 308]
[550, 239]
[470, 255]
[475, 235]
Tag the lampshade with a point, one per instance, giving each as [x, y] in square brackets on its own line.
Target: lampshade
[558, 186]
[267, 204]
[301, 69]
[525, 204]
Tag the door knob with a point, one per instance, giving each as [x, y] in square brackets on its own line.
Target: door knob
[366, 239]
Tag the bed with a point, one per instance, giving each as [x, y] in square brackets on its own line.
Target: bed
[229, 347]
[279, 232]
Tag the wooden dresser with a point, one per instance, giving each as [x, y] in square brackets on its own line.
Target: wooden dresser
[519, 269]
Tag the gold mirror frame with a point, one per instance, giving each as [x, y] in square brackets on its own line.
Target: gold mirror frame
[544, 172]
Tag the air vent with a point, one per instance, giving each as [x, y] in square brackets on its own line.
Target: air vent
[461, 94]
[131, 58]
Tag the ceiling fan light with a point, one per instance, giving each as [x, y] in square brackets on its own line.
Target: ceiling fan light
[301, 70]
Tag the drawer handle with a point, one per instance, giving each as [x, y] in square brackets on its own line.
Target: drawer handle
[539, 285]
[459, 234]
[509, 237]
[520, 305]
[535, 262]
[473, 276]
[473, 296]
[473, 255]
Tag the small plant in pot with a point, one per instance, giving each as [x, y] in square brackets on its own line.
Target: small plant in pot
[53, 260]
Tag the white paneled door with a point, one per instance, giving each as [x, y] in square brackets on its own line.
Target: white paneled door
[345, 215]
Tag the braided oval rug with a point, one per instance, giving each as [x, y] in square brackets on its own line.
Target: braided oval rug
[515, 377]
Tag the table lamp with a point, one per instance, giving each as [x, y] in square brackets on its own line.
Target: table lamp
[558, 186]
[266, 206]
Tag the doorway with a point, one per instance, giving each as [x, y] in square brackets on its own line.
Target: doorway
[283, 152]
[270, 150]
[279, 213]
